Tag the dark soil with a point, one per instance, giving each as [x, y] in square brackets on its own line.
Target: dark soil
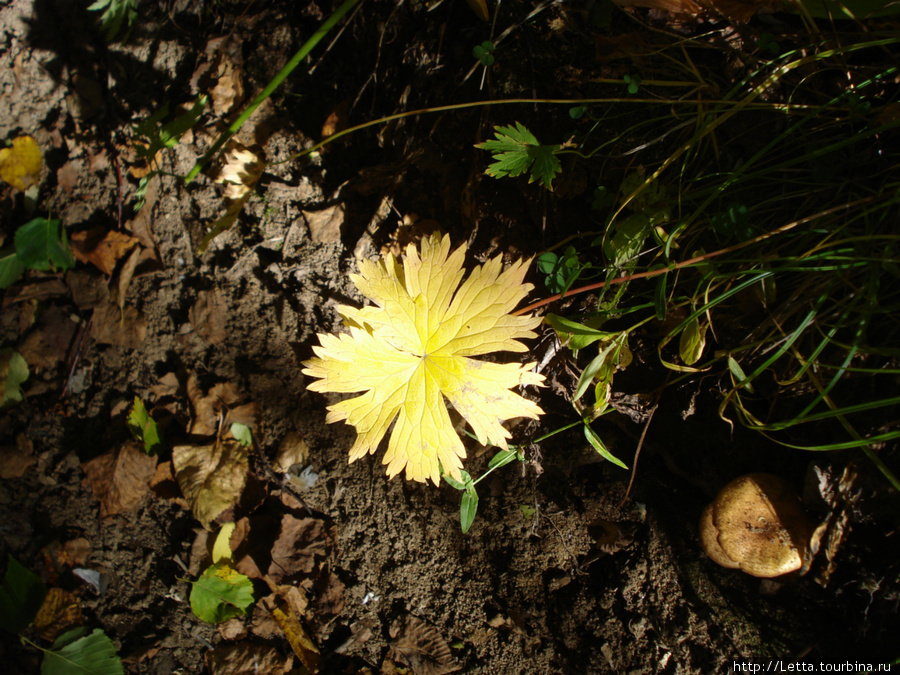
[544, 589]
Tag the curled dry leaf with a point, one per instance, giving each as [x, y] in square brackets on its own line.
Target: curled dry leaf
[301, 546]
[211, 477]
[207, 407]
[102, 248]
[60, 612]
[288, 606]
[120, 478]
[292, 450]
[421, 647]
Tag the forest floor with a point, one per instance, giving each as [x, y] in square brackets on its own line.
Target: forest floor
[563, 570]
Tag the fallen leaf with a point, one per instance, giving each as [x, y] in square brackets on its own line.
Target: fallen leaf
[69, 174]
[409, 353]
[421, 647]
[292, 450]
[221, 593]
[211, 477]
[302, 545]
[20, 164]
[164, 484]
[208, 406]
[49, 342]
[102, 248]
[126, 274]
[325, 224]
[88, 290]
[244, 658]
[78, 551]
[16, 460]
[120, 478]
[60, 612]
[287, 608]
[125, 327]
[207, 316]
[240, 172]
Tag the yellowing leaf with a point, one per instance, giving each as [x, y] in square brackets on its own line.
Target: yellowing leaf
[211, 477]
[20, 165]
[410, 351]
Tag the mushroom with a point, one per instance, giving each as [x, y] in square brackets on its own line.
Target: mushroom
[756, 524]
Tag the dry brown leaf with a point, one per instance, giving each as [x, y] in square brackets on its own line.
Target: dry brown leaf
[16, 460]
[113, 325]
[207, 316]
[421, 647]
[288, 606]
[301, 546]
[292, 450]
[168, 386]
[211, 477]
[59, 612]
[89, 290]
[69, 174]
[49, 342]
[164, 484]
[220, 74]
[78, 551]
[325, 224]
[120, 478]
[102, 248]
[244, 658]
[127, 273]
[207, 406]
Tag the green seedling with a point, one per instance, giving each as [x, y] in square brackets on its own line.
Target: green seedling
[469, 503]
[485, 53]
[144, 428]
[13, 373]
[560, 272]
[634, 83]
[152, 135]
[516, 151]
[117, 14]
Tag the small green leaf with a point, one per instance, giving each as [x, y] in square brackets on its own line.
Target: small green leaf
[467, 509]
[221, 593]
[143, 428]
[41, 244]
[576, 335]
[577, 112]
[502, 458]
[11, 268]
[242, 434]
[94, 654]
[546, 262]
[740, 379]
[516, 151]
[21, 596]
[692, 342]
[659, 298]
[453, 482]
[600, 447]
[527, 511]
[13, 372]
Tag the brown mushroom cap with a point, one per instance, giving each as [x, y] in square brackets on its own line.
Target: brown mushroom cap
[756, 524]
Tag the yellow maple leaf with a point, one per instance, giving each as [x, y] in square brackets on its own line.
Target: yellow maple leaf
[20, 165]
[410, 351]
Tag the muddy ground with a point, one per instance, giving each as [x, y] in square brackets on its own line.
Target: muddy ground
[560, 572]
